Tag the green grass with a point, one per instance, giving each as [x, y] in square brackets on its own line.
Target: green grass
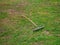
[3, 15]
[16, 30]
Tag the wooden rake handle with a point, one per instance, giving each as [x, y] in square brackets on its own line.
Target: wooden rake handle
[29, 20]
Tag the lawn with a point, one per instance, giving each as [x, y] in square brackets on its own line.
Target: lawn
[16, 30]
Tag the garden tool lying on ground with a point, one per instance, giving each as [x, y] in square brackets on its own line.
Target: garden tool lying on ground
[37, 28]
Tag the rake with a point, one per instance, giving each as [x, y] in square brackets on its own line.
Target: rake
[37, 27]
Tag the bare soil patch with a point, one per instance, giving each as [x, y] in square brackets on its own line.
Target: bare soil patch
[46, 33]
